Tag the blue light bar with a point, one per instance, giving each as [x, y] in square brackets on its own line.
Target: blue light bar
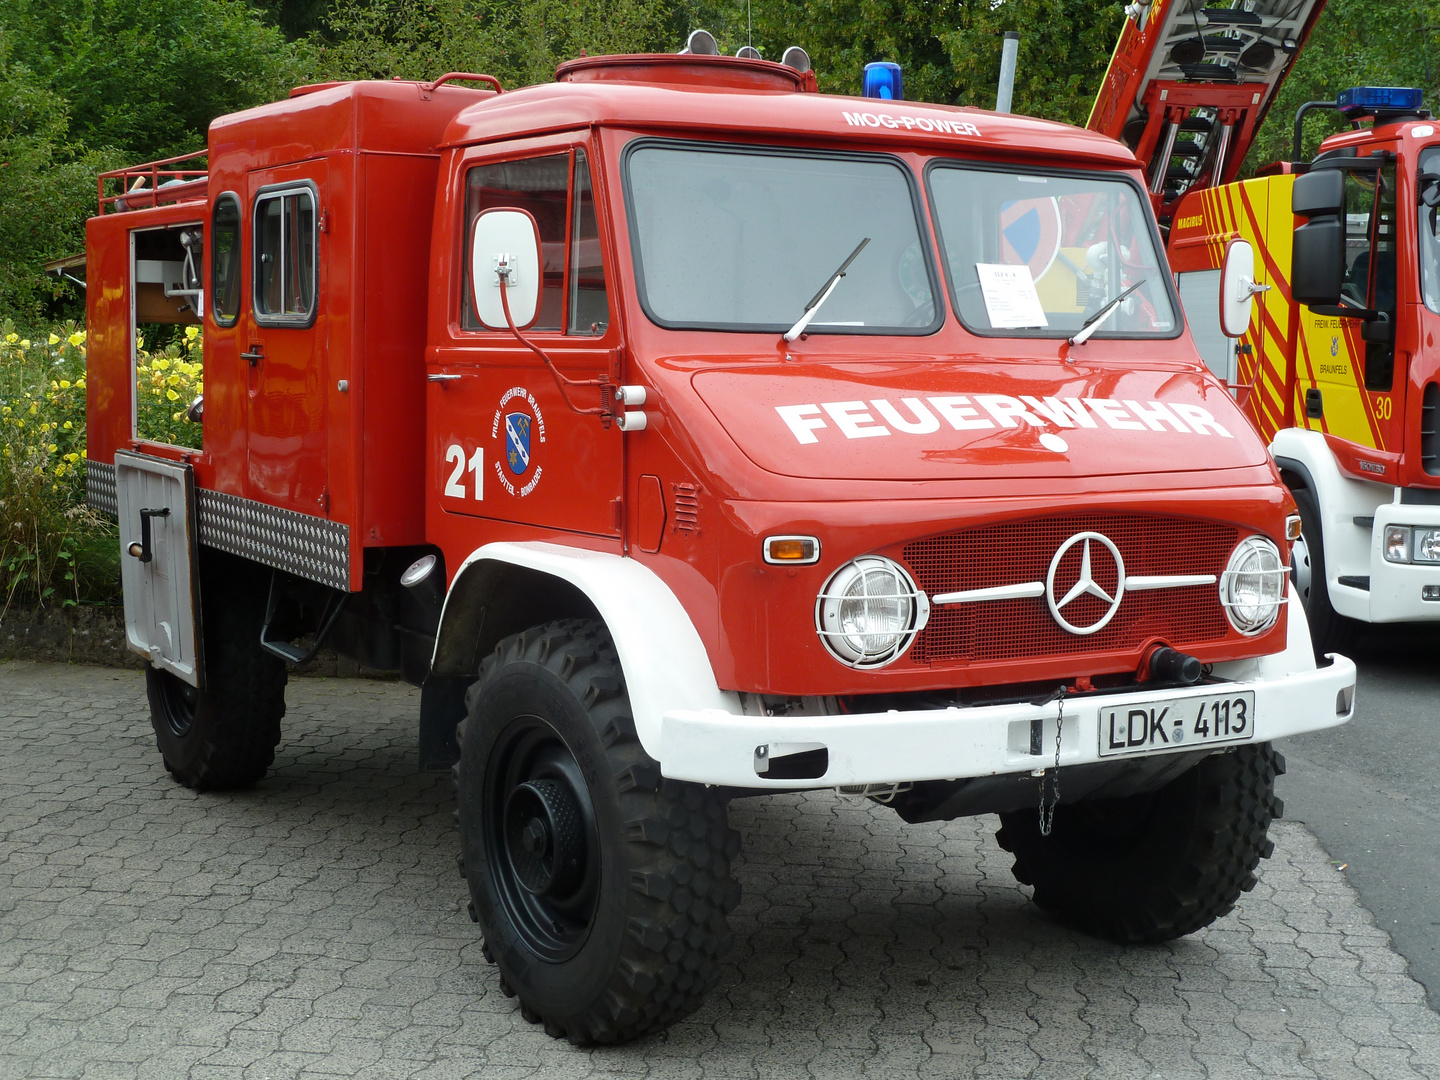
[883, 80]
[1368, 100]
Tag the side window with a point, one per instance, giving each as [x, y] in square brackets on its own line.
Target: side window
[541, 186]
[589, 305]
[285, 257]
[225, 260]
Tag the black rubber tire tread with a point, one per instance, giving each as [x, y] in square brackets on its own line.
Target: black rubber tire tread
[663, 932]
[236, 718]
[1329, 630]
[1191, 849]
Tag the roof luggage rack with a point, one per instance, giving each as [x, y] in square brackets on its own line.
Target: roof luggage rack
[155, 183]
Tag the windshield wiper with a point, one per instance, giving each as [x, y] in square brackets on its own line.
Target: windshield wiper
[1093, 323]
[813, 307]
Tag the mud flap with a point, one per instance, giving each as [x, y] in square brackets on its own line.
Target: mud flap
[159, 563]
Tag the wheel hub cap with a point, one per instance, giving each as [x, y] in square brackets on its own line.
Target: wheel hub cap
[545, 836]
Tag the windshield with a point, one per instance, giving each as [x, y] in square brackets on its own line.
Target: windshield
[1036, 255]
[733, 239]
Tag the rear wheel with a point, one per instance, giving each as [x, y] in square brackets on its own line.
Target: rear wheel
[1329, 630]
[1156, 866]
[602, 889]
[223, 736]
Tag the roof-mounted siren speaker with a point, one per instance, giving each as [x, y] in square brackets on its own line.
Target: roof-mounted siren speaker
[700, 43]
[797, 58]
[748, 52]
[883, 80]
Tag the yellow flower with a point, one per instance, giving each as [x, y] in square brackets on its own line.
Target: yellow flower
[160, 363]
[76, 338]
[72, 458]
[34, 409]
[139, 341]
[44, 427]
[177, 416]
[64, 384]
[80, 383]
[52, 448]
[171, 395]
[191, 333]
[60, 470]
[68, 425]
[173, 380]
[25, 343]
[12, 338]
[84, 454]
[54, 339]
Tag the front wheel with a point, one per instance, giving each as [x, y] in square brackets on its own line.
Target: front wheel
[601, 888]
[1329, 630]
[1151, 867]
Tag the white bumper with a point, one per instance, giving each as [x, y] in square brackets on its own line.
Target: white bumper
[714, 746]
[1395, 593]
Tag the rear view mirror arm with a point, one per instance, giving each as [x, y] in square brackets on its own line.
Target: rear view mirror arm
[562, 382]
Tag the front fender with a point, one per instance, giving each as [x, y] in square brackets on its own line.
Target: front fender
[664, 661]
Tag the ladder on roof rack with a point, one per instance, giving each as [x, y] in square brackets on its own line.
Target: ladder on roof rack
[154, 183]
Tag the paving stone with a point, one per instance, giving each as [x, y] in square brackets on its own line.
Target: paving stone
[313, 927]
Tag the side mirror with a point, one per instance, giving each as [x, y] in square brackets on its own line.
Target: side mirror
[505, 241]
[1318, 254]
[1238, 288]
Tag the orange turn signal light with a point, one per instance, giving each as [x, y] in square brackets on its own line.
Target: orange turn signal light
[1292, 528]
[792, 550]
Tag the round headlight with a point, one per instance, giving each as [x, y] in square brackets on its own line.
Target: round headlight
[869, 612]
[1253, 585]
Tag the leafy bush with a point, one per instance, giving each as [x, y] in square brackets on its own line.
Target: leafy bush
[53, 548]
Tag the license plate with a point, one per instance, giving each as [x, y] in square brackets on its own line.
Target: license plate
[1147, 726]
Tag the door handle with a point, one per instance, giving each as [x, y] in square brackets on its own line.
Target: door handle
[142, 550]
[256, 354]
[442, 378]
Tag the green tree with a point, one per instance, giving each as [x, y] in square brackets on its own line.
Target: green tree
[147, 76]
[47, 187]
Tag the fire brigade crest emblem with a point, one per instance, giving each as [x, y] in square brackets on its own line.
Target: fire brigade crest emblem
[520, 438]
[517, 442]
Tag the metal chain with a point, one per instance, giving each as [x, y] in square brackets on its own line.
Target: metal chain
[1047, 817]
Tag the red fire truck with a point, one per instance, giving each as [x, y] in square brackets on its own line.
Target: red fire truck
[689, 435]
[1335, 367]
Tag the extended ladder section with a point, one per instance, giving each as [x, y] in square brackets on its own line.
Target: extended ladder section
[1188, 86]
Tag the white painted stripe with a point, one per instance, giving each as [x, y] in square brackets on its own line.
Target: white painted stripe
[998, 592]
[1168, 581]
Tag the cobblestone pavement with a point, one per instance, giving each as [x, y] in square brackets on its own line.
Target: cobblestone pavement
[315, 927]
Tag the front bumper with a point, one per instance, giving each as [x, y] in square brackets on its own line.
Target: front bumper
[713, 746]
[1395, 592]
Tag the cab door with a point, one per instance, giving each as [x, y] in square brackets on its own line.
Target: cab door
[1355, 391]
[507, 442]
[284, 337]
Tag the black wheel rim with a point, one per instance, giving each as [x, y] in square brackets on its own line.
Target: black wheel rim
[178, 700]
[539, 826]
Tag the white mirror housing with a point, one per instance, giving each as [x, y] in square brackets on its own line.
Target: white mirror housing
[505, 241]
[1238, 288]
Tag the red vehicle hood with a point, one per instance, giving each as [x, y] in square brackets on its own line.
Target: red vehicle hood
[943, 422]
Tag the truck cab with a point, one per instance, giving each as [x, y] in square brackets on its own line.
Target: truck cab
[689, 435]
[1336, 371]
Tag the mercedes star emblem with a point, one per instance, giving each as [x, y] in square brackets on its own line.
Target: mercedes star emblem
[1085, 585]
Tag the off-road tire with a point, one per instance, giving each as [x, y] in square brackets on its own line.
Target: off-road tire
[550, 706]
[1152, 867]
[1329, 630]
[223, 736]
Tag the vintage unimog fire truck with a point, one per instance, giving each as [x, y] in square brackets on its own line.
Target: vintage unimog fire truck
[687, 435]
[1337, 366]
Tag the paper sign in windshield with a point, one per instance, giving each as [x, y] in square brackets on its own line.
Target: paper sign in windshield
[1010, 297]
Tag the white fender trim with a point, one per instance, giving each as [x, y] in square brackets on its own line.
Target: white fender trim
[665, 663]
